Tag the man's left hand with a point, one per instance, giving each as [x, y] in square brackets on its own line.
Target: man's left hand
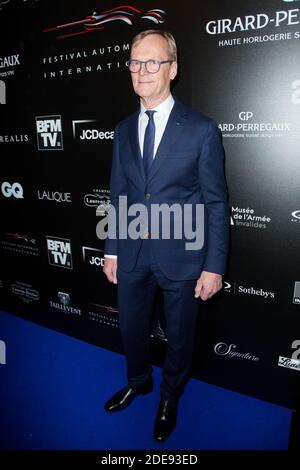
[207, 285]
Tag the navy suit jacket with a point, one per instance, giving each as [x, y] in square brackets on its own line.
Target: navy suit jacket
[188, 169]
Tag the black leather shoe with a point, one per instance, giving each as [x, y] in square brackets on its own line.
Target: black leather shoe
[165, 421]
[124, 397]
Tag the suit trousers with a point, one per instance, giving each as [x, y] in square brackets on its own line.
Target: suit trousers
[136, 290]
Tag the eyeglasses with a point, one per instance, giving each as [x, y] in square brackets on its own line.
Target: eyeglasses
[152, 66]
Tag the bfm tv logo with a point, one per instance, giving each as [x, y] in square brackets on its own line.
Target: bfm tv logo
[2, 92]
[59, 252]
[49, 132]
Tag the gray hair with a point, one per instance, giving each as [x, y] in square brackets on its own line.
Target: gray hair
[164, 34]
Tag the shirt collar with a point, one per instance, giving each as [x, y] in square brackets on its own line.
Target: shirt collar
[165, 107]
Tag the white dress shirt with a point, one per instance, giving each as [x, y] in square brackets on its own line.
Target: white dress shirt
[160, 117]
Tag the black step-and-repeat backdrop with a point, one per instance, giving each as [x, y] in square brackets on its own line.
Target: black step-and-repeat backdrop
[63, 87]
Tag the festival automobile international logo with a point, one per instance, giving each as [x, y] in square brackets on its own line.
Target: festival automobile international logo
[99, 21]
[83, 130]
[3, 3]
[292, 362]
[104, 314]
[59, 252]
[49, 132]
[19, 243]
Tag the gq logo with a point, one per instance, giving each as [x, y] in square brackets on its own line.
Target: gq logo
[14, 190]
[49, 133]
[295, 98]
[2, 92]
[245, 115]
[59, 252]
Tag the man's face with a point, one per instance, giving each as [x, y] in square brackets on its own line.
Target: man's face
[154, 87]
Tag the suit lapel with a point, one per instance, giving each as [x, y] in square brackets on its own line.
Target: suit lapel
[170, 136]
[134, 141]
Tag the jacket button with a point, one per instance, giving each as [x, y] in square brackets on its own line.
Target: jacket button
[147, 195]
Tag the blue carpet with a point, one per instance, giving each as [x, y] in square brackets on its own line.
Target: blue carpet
[53, 388]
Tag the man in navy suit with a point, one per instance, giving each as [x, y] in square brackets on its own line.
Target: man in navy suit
[164, 154]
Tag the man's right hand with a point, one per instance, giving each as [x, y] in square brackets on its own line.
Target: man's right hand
[110, 269]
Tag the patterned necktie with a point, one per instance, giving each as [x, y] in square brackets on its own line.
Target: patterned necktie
[148, 149]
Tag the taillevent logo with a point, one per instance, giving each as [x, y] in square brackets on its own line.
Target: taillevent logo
[64, 304]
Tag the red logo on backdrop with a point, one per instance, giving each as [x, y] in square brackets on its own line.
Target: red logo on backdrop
[126, 14]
